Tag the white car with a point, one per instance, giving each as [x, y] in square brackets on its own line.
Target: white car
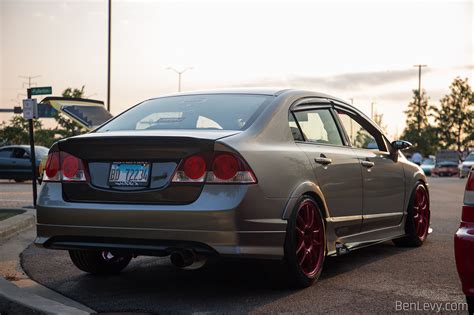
[466, 165]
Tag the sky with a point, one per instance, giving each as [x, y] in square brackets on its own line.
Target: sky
[360, 51]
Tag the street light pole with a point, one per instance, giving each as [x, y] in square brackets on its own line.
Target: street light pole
[179, 73]
[419, 98]
[109, 53]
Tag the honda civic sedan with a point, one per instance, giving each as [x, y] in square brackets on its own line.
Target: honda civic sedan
[287, 175]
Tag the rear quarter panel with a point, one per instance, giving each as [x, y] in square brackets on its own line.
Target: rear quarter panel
[282, 169]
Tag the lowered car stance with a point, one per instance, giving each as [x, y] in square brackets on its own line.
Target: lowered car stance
[286, 175]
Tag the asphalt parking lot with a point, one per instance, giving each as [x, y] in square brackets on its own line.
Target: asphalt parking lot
[370, 280]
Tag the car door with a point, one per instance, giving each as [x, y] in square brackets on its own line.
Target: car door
[5, 162]
[383, 177]
[336, 166]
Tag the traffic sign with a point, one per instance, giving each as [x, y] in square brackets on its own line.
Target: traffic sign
[30, 108]
[41, 90]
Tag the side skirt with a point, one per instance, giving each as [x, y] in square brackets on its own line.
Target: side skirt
[343, 245]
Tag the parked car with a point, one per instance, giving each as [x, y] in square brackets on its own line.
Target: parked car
[466, 165]
[464, 243]
[287, 175]
[15, 161]
[445, 168]
[427, 165]
[448, 155]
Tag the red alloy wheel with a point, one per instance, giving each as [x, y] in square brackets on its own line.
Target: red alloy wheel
[421, 212]
[309, 238]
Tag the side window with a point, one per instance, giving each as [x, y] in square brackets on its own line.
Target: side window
[20, 154]
[318, 126]
[359, 136]
[6, 153]
[295, 131]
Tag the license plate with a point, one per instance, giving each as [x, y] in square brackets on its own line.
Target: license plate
[129, 174]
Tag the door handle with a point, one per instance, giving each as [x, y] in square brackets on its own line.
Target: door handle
[323, 160]
[367, 164]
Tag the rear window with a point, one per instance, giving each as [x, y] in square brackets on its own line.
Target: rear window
[217, 111]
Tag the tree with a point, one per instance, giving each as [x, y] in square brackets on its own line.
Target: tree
[455, 116]
[73, 93]
[378, 119]
[16, 131]
[68, 127]
[418, 130]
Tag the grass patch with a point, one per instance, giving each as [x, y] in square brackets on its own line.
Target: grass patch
[5, 214]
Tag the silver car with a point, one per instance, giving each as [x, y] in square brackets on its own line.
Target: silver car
[277, 174]
[465, 166]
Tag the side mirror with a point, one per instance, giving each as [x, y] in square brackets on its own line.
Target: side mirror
[401, 145]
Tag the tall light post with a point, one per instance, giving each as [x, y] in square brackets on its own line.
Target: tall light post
[419, 97]
[109, 53]
[179, 73]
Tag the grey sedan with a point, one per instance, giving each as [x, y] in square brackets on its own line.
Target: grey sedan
[274, 174]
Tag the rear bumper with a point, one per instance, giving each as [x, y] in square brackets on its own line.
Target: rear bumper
[464, 252]
[228, 220]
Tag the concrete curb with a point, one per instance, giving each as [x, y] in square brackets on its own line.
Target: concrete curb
[17, 223]
[14, 300]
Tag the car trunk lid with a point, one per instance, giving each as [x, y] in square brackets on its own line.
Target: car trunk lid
[161, 150]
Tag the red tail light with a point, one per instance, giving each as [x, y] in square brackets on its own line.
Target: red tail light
[52, 167]
[470, 181]
[194, 167]
[224, 167]
[62, 166]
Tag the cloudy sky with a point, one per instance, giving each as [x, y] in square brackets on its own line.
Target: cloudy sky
[360, 50]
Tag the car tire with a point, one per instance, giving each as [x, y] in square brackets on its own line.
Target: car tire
[305, 243]
[99, 262]
[19, 180]
[417, 222]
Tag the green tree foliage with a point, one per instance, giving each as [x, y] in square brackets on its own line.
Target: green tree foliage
[74, 93]
[16, 132]
[418, 130]
[67, 127]
[378, 119]
[455, 116]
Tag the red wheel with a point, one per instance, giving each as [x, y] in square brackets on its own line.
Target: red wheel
[417, 222]
[305, 245]
[421, 215]
[309, 234]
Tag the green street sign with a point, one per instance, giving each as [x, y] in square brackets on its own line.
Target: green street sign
[41, 90]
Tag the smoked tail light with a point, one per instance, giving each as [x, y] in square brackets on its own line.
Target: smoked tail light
[468, 208]
[215, 168]
[64, 167]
